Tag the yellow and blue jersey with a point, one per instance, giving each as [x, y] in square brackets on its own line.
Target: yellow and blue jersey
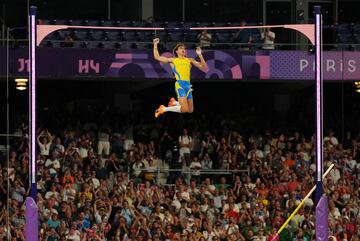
[182, 71]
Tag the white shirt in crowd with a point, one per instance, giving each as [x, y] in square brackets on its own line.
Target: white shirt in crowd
[75, 236]
[195, 167]
[128, 144]
[83, 152]
[185, 140]
[259, 154]
[44, 148]
[335, 175]
[332, 139]
[55, 163]
[268, 37]
[231, 229]
[208, 236]
[95, 182]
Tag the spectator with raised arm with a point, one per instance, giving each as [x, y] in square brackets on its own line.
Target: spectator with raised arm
[268, 38]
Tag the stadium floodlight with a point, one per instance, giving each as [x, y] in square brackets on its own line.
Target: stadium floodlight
[21, 83]
[357, 85]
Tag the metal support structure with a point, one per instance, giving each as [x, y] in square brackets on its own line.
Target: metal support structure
[336, 11]
[321, 208]
[31, 207]
[322, 215]
[183, 10]
[32, 100]
[109, 10]
[7, 129]
[319, 101]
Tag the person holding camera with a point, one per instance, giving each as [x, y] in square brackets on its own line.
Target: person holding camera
[268, 37]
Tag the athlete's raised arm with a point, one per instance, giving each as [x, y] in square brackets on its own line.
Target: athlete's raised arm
[157, 56]
[202, 64]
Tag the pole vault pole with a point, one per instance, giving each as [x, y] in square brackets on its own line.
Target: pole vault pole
[31, 214]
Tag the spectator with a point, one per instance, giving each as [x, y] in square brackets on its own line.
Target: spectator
[243, 37]
[268, 38]
[122, 196]
[44, 140]
[195, 167]
[204, 39]
[185, 142]
[104, 142]
[68, 41]
[206, 162]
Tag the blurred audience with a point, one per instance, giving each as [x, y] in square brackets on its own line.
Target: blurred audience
[101, 184]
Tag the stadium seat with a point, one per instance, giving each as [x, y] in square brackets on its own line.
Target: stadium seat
[345, 42]
[157, 24]
[92, 44]
[97, 35]
[52, 36]
[76, 22]
[81, 35]
[107, 23]
[123, 23]
[60, 22]
[357, 42]
[144, 46]
[344, 28]
[219, 24]
[234, 24]
[62, 33]
[45, 22]
[356, 29]
[131, 36]
[109, 45]
[345, 38]
[256, 39]
[140, 24]
[223, 37]
[171, 25]
[79, 44]
[187, 25]
[113, 35]
[203, 24]
[163, 36]
[91, 22]
[118, 45]
[133, 45]
[146, 36]
[191, 36]
[48, 44]
[176, 37]
[55, 44]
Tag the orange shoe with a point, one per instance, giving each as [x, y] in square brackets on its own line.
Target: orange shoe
[172, 102]
[160, 111]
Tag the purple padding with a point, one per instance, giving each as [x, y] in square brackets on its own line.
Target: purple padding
[228, 64]
[322, 220]
[31, 217]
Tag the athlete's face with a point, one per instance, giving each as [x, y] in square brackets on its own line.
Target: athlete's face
[181, 51]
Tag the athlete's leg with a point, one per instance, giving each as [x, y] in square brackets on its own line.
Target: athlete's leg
[182, 108]
[173, 102]
[190, 103]
[190, 100]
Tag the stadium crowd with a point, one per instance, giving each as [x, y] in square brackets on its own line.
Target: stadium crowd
[98, 183]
